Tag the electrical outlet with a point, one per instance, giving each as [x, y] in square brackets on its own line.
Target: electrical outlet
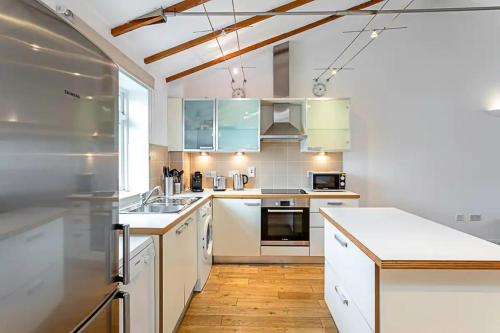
[211, 174]
[460, 218]
[251, 172]
[475, 217]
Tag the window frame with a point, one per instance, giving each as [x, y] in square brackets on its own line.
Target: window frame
[123, 130]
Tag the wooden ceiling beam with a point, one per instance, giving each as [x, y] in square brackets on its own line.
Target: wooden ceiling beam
[230, 28]
[139, 23]
[267, 42]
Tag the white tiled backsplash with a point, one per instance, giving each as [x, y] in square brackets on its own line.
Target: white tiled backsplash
[278, 165]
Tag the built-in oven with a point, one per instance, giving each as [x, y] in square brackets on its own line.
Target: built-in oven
[285, 222]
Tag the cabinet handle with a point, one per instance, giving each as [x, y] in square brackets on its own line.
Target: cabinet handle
[252, 204]
[188, 221]
[285, 211]
[314, 148]
[181, 229]
[206, 148]
[339, 239]
[125, 228]
[335, 203]
[344, 299]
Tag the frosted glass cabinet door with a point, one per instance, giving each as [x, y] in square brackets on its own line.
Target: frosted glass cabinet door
[199, 124]
[238, 125]
[328, 126]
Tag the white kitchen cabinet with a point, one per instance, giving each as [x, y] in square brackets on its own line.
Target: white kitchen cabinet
[174, 119]
[317, 224]
[190, 257]
[327, 125]
[179, 270]
[317, 242]
[158, 121]
[236, 227]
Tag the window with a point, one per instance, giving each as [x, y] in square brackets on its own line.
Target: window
[123, 132]
[133, 132]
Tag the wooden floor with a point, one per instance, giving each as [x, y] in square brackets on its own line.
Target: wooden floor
[261, 298]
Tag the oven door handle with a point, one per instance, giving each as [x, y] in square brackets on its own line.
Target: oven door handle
[285, 211]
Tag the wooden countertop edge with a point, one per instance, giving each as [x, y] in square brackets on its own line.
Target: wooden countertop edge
[308, 195]
[415, 264]
[161, 231]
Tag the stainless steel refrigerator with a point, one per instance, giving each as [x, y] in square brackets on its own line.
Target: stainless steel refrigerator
[58, 177]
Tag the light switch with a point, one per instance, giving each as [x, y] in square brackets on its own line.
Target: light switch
[251, 172]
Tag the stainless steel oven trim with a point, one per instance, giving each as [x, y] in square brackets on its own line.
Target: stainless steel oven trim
[297, 202]
[284, 243]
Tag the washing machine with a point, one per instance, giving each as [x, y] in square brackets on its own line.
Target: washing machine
[205, 245]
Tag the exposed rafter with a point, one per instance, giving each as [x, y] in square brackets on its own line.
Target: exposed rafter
[142, 22]
[267, 42]
[230, 28]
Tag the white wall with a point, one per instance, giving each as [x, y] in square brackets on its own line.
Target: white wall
[421, 140]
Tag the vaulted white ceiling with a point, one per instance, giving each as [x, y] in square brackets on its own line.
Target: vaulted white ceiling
[149, 40]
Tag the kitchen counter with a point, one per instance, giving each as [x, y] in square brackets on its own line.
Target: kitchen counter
[159, 224]
[395, 239]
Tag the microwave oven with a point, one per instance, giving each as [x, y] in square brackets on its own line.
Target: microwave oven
[328, 181]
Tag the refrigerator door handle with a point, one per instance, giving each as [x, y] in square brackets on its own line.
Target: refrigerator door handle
[125, 278]
[125, 297]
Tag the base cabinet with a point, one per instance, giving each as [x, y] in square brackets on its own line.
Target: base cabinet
[179, 270]
[236, 227]
[317, 226]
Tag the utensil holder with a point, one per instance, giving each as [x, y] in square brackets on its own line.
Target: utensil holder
[169, 186]
[177, 188]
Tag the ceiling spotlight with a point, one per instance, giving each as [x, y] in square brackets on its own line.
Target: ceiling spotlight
[374, 34]
[77, 74]
[35, 47]
[236, 71]
[334, 72]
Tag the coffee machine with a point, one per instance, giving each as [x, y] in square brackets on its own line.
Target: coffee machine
[197, 182]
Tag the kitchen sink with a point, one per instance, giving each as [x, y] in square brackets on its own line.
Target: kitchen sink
[162, 205]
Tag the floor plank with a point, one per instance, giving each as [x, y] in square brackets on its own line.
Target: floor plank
[261, 299]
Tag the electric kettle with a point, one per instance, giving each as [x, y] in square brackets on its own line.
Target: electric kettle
[239, 181]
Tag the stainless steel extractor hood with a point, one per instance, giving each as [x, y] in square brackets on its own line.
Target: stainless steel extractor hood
[286, 117]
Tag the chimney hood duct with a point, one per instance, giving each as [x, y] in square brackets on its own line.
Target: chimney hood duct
[287, 117]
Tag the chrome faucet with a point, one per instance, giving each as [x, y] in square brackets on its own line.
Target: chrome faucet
[147, 195]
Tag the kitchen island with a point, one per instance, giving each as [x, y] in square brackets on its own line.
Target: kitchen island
[390, 271]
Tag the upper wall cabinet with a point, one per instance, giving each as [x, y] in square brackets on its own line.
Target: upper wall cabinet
[238, 125]
[199, 116]
[327, 125]
[174, 119]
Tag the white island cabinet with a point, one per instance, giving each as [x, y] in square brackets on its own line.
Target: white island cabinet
[236, 227]
[388, 271]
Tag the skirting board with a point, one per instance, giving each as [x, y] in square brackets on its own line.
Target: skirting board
[268, 260]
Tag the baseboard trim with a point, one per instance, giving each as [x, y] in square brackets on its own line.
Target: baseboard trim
[268, 260]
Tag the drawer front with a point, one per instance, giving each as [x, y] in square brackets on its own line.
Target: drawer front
[316, 220]
[296, 251]
[346, 314]
[316, 204]
[317, 246]
[355, 269]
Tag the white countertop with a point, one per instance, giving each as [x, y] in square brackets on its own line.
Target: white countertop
[158, 224]
[395, 235]
[137, 244]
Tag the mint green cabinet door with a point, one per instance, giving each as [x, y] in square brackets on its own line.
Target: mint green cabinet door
[328, 126]
[238, 125]
[199, 124]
